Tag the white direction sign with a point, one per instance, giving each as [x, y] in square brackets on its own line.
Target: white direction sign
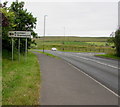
[20, 34]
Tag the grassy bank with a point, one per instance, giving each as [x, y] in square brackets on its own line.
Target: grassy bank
[109, 56]
[21, 80]
[48, 54]
[0, 78]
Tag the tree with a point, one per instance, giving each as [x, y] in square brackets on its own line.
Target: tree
[19, 20]
[7, 24]
[117, 42]
[24, 21]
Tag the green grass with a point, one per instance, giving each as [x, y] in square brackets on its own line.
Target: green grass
[74, 44]
[65, 43]
[48, 54]
[97, 43]
[69, 38]
[111, 56]
[21, 81]
[0, 79]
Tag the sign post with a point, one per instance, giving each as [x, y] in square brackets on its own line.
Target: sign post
[12, 48]
[19, 34]
[26, 50]
[19, 48]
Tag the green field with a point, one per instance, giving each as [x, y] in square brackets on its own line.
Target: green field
[79, 39]
[78, 44]
[20, 80]
[110, 56]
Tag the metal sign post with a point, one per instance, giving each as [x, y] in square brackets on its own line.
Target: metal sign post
[26, 50]
[19, 34]
[12, 48]
[19, 48]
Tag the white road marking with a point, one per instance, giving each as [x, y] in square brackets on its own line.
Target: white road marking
[95, 80]
[97, 62]
[89, 75]
[93, 61]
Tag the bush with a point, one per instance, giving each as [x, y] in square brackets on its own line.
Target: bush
[117, 42]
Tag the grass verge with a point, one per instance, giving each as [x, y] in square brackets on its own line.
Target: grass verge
[110, 56]
[21, 81]
[48, 54]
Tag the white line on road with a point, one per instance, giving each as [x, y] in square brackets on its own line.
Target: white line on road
[93, 61]
[94, 80]
[89, 75]
[97, 62]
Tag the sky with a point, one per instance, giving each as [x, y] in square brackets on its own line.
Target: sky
[84, 18]
[119, 14]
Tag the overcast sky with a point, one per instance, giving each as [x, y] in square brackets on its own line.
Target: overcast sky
[93, 18]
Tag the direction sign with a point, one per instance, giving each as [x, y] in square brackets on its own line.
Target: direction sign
[19, 34]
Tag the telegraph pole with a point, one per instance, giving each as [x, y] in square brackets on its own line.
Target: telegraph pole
[44, 31]
[64, 39]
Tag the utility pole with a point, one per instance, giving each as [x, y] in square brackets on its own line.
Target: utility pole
[44, 31]
[119, 15]
[64, 39]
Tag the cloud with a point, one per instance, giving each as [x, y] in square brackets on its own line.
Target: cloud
[91, 18]
[79, 18]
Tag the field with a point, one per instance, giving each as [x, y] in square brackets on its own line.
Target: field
[79, 39]
[78, 44]
[109, 56]
[0, 78]
[20, 80]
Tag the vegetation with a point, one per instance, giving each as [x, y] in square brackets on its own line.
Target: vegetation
[7, 24]
[115, 39]
[18, 20]
[0, 79]
[75, 39]
[110, 56]
[48, 54]
[78, 44]
[21, 80]
[117, 42]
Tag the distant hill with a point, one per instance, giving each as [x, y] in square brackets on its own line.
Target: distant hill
[75, 39]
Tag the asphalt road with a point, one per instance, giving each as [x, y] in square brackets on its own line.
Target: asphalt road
[103, 70]
[63, 84]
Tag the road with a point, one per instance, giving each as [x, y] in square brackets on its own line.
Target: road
[62, 84]
[103, 70]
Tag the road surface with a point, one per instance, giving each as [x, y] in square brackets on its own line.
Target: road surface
[62, 84]
[103, 70]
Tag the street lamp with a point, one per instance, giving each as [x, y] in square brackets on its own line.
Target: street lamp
[64, 39]
[44, 30]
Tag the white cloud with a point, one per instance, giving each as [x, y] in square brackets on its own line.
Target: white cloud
[94, 18]
[64, 0]
[78, 18]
